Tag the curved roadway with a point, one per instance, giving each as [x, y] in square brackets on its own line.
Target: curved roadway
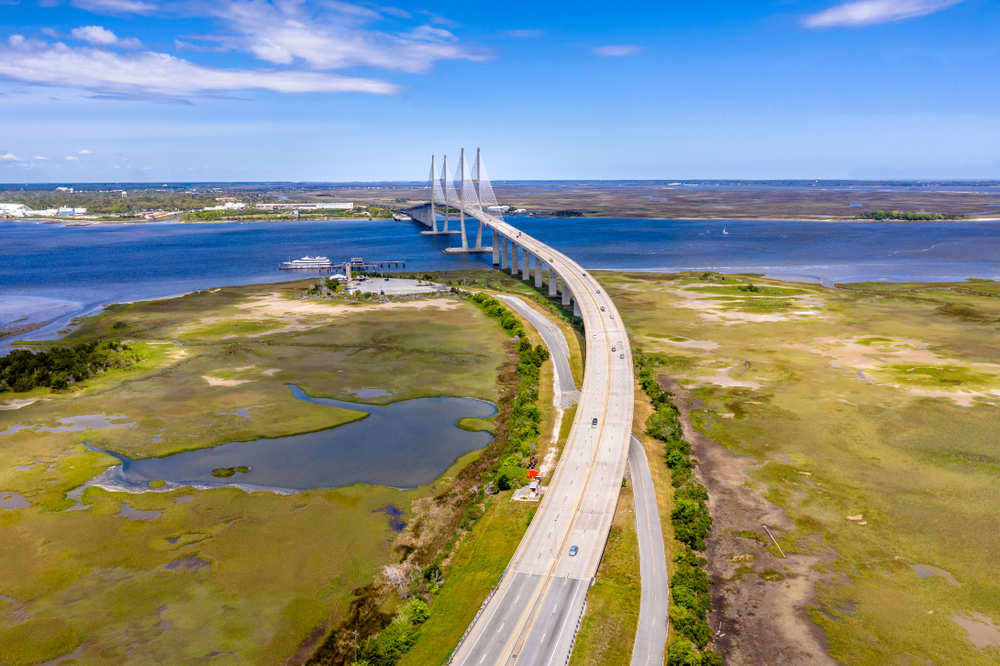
[533, 616]
[651, 631]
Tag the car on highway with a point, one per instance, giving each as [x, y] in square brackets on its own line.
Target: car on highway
[613, 350]
[602, 308]
[594, 422]
[572, 551]
[621, 356]
[612, 316]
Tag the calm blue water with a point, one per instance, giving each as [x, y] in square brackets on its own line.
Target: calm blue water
[402, 445]
[53, 272]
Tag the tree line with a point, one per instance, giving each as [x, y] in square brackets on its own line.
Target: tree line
[689, 585]
[23, 370]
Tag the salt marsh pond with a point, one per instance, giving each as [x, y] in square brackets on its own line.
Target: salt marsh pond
[401, 445]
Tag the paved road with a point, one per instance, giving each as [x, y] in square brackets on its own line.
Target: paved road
[558, 348]
[651, 634]
[534, 615]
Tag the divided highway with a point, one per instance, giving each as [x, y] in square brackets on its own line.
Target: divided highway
[533, 616]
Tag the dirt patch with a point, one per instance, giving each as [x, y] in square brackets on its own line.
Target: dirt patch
[18, 404]
[213, 381]
[271, 372]
[714, 310]
[759, 617]
[982, 632]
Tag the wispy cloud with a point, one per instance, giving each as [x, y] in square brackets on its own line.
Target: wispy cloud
[39, 157]
[72, 158]
[95, 34]
[115, 6]
[334, 38]
[617, 50]
[86, 152]
[528, 34]
[8, 157]
[150, 74]
[870, 12]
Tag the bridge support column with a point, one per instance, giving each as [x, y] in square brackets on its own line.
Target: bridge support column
[504, 258]
[496, 247]
[576, 308]
[465, 239]
[513, 258]
[526, 268]
[479, 236]
[566, 294]
[539, 269]
[553, 279]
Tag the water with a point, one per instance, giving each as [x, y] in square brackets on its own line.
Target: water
[402, 445]
[51, 272]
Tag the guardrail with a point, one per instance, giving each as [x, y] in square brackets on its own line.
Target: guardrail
[478, 613]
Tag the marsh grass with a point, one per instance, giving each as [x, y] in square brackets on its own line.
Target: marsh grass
[259, 572]
[921, 471]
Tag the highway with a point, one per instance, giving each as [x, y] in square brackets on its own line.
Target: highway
[651, 633]
[533, 616]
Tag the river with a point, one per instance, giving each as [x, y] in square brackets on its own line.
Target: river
[53, 272]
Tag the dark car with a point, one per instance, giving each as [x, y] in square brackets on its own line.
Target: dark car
[594, 422]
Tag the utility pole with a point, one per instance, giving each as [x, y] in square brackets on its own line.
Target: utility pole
[355, 644]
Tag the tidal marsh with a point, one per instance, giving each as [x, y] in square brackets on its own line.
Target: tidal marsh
[872, 422]
[220, 574]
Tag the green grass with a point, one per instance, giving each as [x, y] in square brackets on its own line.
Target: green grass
[276, 566]
[476, 569]
[607, 632]
[922, 471]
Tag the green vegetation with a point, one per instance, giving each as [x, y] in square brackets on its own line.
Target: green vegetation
[226, 472]
[904, 215]
[913, 452]
[248, 575]
[386, 648]
[689, 585]
[525, 420]
[22, 370]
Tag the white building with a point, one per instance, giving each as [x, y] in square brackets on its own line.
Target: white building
[229, 205]
[14, 210]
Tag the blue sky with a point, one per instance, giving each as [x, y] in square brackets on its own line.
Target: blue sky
[332, 90]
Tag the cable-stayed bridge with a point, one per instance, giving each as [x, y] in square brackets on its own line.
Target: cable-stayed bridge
[532, 617]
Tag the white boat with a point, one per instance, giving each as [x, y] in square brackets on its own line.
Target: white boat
[724, 232]
[307, 262]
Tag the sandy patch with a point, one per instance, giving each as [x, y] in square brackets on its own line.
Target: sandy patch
[245, 367]
[710, 309]
[853, 355]
[270, 372]
[704, 345]
[18, 404]
[982, 632]
[213, 381]
[721, 377]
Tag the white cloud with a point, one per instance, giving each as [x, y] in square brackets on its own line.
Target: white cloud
[8, 157]
[39, 157]
[115, 6]
[617, 50]
[95, 34]
[71, 158]
[152, 75]
[86, 152]
[869, 12]
[284, 33]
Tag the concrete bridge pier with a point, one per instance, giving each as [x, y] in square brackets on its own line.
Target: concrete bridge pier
[513, 258]
[526, 269]
[566, 294]
[553, 279]
[479, 236]
[496, 247]
[576, 308]
[539, 269]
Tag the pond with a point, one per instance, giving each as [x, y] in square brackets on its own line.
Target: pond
[402, 445]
